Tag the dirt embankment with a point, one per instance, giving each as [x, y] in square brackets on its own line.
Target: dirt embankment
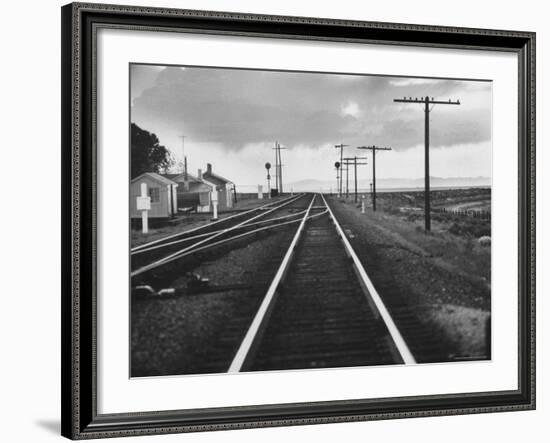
[443, 279]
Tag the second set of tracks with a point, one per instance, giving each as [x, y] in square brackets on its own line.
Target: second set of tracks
[161, 252]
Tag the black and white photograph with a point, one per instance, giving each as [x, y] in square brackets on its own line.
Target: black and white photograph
[240, 221]
[294, 220]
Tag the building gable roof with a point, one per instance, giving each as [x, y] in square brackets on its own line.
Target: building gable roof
[193, 180]
[180, 177]
[215, 178]
[172, 177]
[156, 177]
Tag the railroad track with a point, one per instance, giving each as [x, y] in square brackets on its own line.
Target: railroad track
[321, 309]
[160, 252]
[310, 305]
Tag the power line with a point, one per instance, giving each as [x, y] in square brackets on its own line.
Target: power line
[427, 102]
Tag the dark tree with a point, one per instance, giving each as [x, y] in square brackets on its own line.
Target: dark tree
[147, 154]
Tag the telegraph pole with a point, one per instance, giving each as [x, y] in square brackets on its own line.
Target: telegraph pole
[347, 179]
[427, 102]
[355, 178]
[353, 160]
[341, 146]
[184, 156]
[374, 149]
[371, 192]
[278, 167]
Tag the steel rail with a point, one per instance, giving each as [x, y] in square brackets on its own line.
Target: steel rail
[397, 338]
[252, 336]
[244, 234]
[259, 208]
[176, 254]
[194, 237]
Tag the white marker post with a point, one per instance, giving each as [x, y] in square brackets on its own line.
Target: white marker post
[143, 204]
[363, 204]
[214, 204]
[260, 192]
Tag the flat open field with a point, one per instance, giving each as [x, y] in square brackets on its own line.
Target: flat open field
[463, 212]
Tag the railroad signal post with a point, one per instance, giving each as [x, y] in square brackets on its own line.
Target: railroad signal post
[427, 102]
[337, 166]
[374, 149]
[268, 167]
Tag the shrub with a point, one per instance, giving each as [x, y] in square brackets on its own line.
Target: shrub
[470, 228]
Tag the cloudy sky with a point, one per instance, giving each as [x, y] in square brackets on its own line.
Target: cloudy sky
[232, 117]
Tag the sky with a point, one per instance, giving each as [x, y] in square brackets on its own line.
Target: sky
[233, 117]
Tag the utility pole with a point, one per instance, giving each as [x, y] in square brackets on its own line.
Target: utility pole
[371, 192]
[427, 102]
[374, 149]
[278, 167]
[353, 160]
[341, 146]
[346, 164]
[347, 180]
[184, 166]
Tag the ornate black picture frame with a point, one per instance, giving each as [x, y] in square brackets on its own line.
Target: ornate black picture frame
[80, 418]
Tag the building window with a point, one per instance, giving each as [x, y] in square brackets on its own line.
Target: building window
[204, 198]
[154, 193]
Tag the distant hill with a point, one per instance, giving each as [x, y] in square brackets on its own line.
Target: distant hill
[310, 185]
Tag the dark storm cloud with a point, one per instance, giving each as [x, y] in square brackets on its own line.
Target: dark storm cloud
[237, 107]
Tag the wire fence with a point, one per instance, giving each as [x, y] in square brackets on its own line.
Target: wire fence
[481, 214]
